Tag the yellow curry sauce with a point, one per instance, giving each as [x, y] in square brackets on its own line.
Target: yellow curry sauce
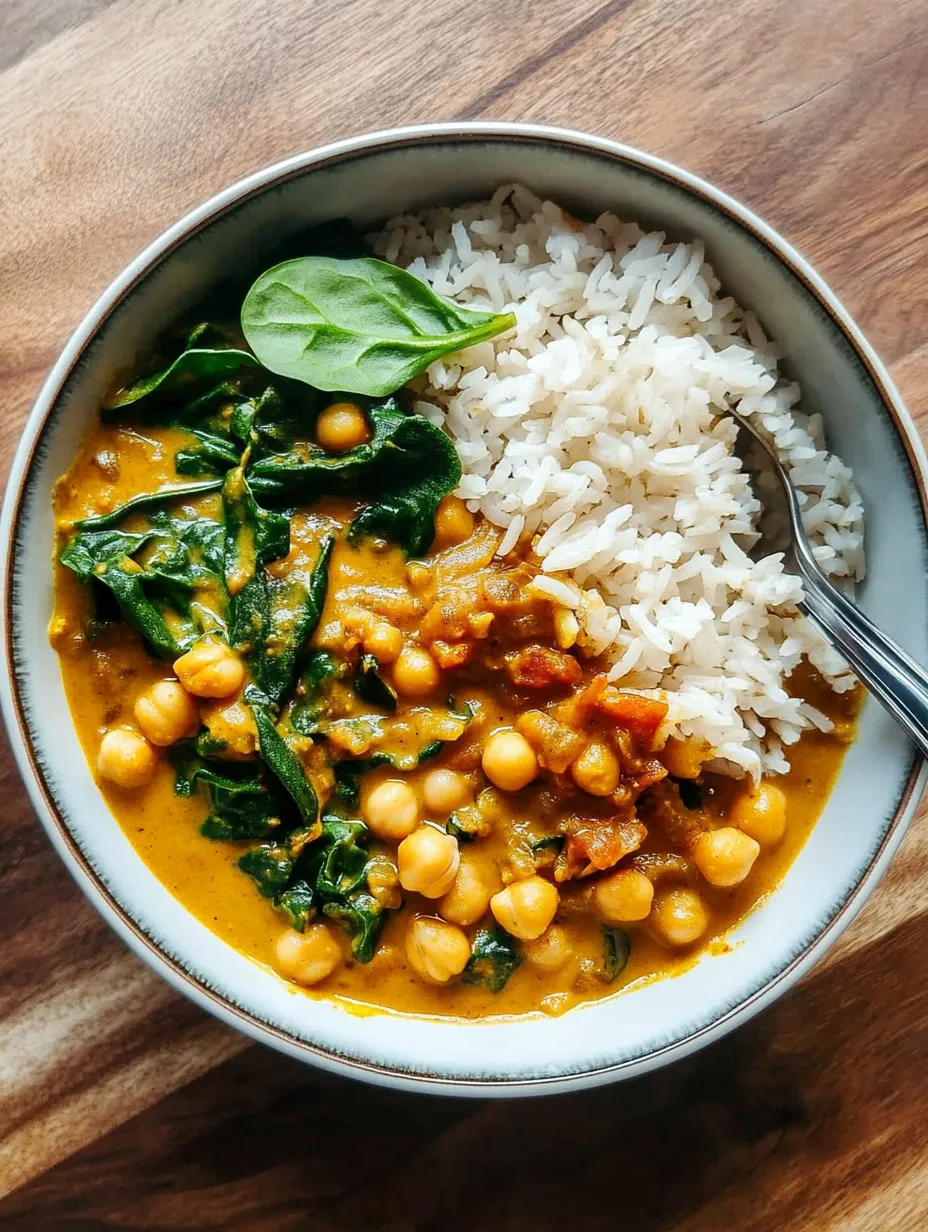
[520, 830]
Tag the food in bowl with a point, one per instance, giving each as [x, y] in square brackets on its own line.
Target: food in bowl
[459, 654]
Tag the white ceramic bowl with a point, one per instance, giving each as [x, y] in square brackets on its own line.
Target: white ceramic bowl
[366, 179]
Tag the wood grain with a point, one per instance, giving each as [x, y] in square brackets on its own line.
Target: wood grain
[122, 1106]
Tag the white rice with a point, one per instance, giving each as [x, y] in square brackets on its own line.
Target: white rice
[594, 426]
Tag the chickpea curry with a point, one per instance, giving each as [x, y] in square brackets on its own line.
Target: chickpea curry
[359, 744]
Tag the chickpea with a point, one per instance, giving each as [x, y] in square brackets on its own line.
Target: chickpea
[342, 426]
[307, 957]
[679, 916]
[415, 673]
[436, 951]
[684, 758]
[525, 908]
[509, 761]
[428, 861]
[623, 897]
[566, 627]
[125, 758]
[596, 770]
[454, 522]
[384, 641]
[445, 790]
[551, 951]
[210, 669]
[166, 712]
[761, 813]
[467, 900]
[725, 856]
[392, 810]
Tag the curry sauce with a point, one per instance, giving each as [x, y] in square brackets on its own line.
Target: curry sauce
[499, 653]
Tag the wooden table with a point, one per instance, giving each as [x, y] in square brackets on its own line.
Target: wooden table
[125, 1107]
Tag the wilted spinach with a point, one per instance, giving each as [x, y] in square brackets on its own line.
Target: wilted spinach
[169, 566]
[335, 866]
[270, 619]
[361, 326]
[206, 356]
[616, 949]
[493, 959]
[402, 472]
[308, 707]
[148, 500]
[280, 758]
[371, 687]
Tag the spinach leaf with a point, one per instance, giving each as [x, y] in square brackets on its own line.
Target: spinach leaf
[189, 369]
[361, 326]
[371, 687]
[364, 919]
[403, 472]
[493, 959]
[213, 453]
[295, 605]
[145, 500]
[348, 775]
[271, 867]
[616, 949]
[243, 803]
[106, 557]
[308, 707]
[464, 825]
[270, 619]
[339, 860]
[253, 537]
[298, 902]
[336, 865]
[280, 758]
[272, 864]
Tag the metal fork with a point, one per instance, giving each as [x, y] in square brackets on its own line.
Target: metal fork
[891, 675]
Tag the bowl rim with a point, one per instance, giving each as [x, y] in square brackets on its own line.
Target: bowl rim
[244, 189]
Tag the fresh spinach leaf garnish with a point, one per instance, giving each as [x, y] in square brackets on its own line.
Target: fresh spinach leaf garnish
[361, 325]
[493, 959]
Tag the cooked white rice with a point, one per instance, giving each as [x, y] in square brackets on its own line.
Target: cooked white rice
[594, 425]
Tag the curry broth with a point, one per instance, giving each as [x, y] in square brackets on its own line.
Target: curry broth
[103, 677]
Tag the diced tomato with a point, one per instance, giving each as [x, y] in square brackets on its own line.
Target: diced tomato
[539, 667]
[593, 845]
[641, 716]
[452, 654]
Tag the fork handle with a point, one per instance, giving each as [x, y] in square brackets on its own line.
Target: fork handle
[890, 674]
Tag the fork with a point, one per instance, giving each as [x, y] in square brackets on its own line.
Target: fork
[891, 675]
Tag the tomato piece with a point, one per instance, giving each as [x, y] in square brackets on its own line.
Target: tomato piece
[593, 845]
[539, 667]
[452, 654]
[641, 716]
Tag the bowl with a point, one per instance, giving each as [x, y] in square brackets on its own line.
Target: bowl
[366, 179]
